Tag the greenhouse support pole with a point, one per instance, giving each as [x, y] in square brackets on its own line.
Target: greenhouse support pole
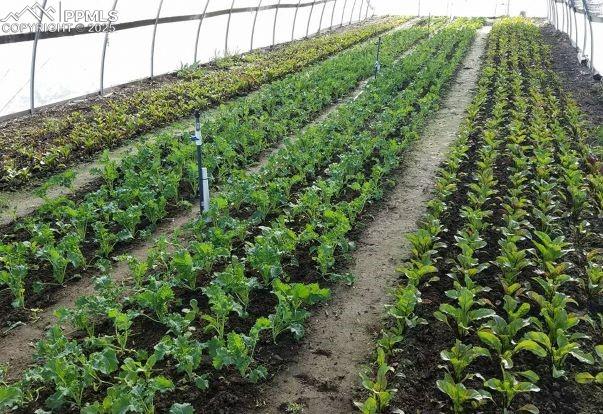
[368, 5]
[563, 16]
[154, 37]
[418, 8]
[575, 22]
[322, 14]
[570, 25]
[360, 10]
[333, 14]
[570, 28]
[228, 28]
[352, 14]
[345, 5]
[104, 55]
[274, 25]
[199, 30]
[295, 20]
[255, 19]
[592, 41]
[34, 54]
[584, 59]
[310, 19]
[508, 8]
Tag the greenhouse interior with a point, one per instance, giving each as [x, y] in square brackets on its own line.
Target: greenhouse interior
[301, 206]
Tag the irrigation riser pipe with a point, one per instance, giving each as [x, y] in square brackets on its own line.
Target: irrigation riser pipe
[203, 177]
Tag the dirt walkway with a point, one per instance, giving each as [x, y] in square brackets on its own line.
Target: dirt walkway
[324, 375]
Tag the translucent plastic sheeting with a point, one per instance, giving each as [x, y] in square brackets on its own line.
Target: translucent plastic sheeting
[15, 65]
[463, 8]
[147, 42]
[63, 74]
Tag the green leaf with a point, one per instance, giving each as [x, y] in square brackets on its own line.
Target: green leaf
[583, 356]
[105, 361]
[530, 376]
[529, 408]
[368, 407]
[182, 409]
[162, 383]
[531, 346]
[584, 378]
[491, 340]
[10, 396]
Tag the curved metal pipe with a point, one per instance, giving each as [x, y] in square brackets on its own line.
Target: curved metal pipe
[274, 25]
[34, 55]
[310, 19]
[333, 14]
[199, 30]
[592, 40]
[585, 31]
[575, 22]
[154, 37]
[360, 10]
[295, 20]
[255, 19]
[570, 29]
[563, 16]
[104, 55]
[352, 13]
[345, 5]
[322, 14]
[228, 28]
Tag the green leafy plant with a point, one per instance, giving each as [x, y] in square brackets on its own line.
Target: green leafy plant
[460, 395]
[466, 313]
[381, 394]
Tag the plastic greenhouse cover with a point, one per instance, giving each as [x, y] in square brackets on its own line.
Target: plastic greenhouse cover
[70, 66]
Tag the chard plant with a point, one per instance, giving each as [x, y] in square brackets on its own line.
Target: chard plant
[501, 334]
[510, 386]
[460, 395]
[465, 314]
[380, 393]
[587, 377]
[460, 357]
[512, 261]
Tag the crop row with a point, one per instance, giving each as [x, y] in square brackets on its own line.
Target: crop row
[46, 147]
[204, 298]
[161, 175]
[511, 238]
